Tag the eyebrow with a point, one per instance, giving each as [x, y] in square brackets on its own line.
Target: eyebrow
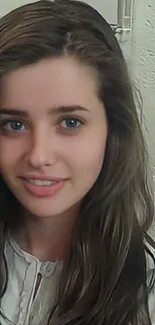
[54, 111]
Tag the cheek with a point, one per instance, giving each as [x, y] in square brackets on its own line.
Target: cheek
[9, 155]
[92, 161]
[86, 159]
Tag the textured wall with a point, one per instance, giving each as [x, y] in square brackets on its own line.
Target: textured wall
[144, 68]
[144, 63]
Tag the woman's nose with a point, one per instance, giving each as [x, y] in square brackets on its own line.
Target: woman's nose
[41, 153]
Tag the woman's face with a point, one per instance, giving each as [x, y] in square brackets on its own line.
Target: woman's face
[53, 134]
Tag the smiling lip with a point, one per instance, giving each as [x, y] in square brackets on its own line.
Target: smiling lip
[42, 177]
[43, 186]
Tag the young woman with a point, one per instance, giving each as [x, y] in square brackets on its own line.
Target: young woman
[75, 203]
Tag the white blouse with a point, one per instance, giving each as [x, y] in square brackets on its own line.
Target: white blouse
[21, 304]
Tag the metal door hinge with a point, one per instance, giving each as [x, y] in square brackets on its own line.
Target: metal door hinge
[125, 14]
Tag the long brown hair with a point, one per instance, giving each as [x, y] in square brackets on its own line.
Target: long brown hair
[103, 279]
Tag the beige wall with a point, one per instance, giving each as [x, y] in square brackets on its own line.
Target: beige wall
[107, 7]
[7, 5]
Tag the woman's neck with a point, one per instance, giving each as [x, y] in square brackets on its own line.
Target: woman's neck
[46, 238]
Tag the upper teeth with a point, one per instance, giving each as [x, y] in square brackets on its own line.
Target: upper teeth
[40, 182]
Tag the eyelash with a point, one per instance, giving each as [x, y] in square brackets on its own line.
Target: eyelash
[3, 124]
[70, 118]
